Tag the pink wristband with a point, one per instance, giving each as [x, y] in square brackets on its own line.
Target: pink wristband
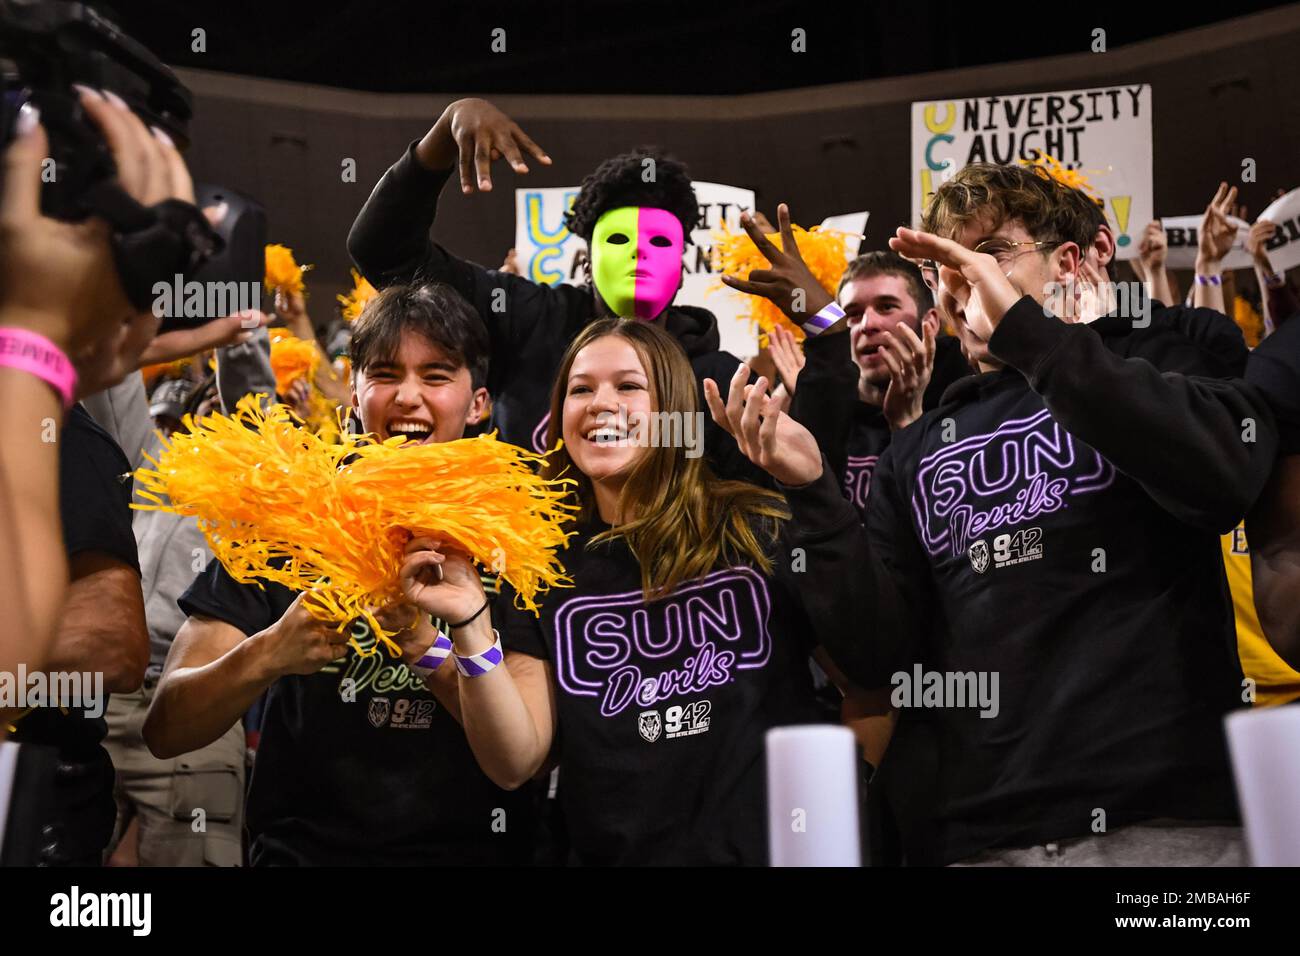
[32, 352]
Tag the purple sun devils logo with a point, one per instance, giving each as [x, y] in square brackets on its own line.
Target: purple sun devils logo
[1027, 467]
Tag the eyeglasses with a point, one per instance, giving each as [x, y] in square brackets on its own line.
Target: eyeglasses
[1003, 250]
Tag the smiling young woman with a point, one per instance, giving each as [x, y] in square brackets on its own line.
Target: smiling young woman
[683, 640]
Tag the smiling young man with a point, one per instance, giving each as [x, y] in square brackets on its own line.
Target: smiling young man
[1055, 523]
[362, 760]
[889, 311]
[635, 212]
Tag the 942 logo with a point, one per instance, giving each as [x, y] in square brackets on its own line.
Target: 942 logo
[675, 722]
[1024, 545]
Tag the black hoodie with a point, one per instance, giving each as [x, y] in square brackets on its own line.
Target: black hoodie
[530, 325]
[1056, 524]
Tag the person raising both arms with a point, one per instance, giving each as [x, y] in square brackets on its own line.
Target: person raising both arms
[635, 212]
[684, 640]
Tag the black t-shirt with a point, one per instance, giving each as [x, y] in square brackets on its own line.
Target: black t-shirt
[358, 763]
[1274, 369]
[94, 505]
[663, 707]
[868, 438]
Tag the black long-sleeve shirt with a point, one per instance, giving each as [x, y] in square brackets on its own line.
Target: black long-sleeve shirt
[1056, 524]
[529, 325]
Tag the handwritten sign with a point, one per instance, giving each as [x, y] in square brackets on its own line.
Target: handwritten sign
[1105, 133]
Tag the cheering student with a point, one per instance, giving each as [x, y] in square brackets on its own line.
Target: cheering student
[899, 366]
[685, 638]
[635, 212]
[1084, 476]
[361, 759]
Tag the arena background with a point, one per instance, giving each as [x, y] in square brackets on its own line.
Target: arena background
[1221, 92]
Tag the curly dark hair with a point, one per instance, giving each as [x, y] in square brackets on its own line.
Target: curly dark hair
[620, 181]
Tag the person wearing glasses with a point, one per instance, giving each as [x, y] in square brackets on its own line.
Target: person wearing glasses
[1055, 523]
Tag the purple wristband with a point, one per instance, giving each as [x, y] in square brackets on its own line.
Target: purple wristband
[476, 665]
[433, 657]
[1208, 280]
[823, 320]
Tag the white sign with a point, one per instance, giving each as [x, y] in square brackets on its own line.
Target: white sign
[853, 225]
[1104, 133]
[1284, 248]
[1184, 232]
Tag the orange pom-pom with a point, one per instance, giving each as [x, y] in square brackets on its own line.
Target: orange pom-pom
[278, 503]
[292, 358]
[822, 249]
[1052, 168]
[356, 300]
[283, 274]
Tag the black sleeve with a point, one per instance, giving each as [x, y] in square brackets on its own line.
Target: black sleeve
[1274, 369]
[1173, 430]
[247, 607]
[1216, 334]
[1283, 304]
[858, 585]
[823, 400]
[94, 491]
[389, 242]
[521, 631]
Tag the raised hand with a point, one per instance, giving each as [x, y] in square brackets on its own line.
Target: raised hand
[765, 434]
[788, 283]
[788, 357]
[911, 363]
[1257, 241]
[59, 278]
[1153, 247]
[1217, 233]
[974, 278]
[472, 133]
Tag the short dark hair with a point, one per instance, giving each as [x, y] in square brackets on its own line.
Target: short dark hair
[620, 181]
[887, 263]
[432, 309]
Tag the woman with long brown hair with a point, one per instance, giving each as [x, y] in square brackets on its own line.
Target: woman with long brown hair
[682, 642]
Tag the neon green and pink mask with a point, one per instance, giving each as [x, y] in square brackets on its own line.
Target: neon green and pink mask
[636, 260]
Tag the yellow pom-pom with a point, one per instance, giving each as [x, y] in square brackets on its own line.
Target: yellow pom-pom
[1248, 320]
[283, 274]
[278, 503]
[356, 300]
[292, 358]
[1052, 168]
[736, 255]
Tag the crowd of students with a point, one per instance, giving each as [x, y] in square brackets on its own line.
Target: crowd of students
[977, 462]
